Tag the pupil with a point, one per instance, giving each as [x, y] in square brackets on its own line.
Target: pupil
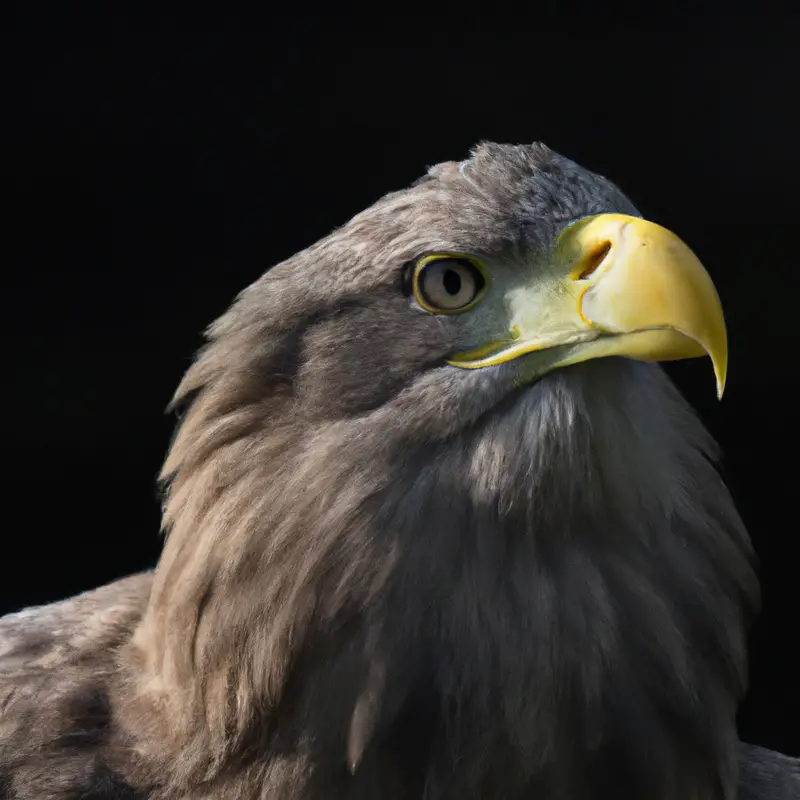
[452, 282]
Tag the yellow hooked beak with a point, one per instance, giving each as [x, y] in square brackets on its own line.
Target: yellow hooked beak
[616, 286]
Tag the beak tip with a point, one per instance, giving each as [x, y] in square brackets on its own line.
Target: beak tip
[721, 377]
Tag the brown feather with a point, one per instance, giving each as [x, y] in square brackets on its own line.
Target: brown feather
[387, 578]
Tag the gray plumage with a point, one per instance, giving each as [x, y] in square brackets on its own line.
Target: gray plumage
[388, 577]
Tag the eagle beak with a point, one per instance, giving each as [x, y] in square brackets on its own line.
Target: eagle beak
[616, 286]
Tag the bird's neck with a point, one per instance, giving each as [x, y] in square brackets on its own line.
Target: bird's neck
[566, 582]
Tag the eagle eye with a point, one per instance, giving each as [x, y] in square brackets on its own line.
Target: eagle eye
[447, 284]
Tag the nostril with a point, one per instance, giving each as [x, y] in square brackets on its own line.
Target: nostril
[594, 260]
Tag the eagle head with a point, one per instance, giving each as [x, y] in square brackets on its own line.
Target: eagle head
[438, 525]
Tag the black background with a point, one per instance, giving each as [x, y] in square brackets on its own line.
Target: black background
[151, 168]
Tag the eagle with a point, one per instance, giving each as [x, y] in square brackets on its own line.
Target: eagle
[437, 526]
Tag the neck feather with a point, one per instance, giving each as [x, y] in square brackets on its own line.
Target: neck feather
[565, 580]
